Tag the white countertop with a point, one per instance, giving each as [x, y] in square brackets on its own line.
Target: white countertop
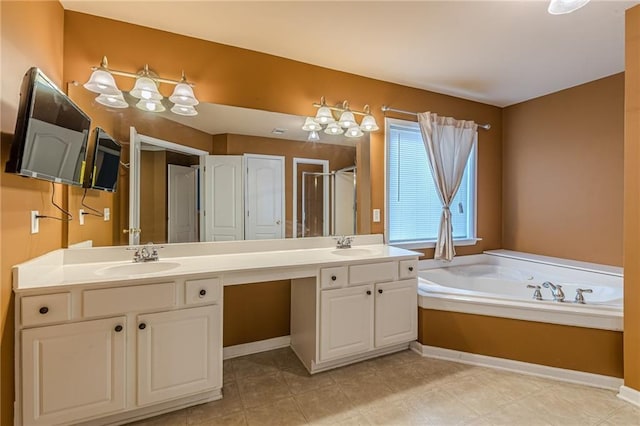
[52, 270]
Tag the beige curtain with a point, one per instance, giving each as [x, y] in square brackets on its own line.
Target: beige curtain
[448, 143]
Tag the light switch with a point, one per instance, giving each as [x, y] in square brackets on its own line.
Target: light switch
[107, 214]
[376, 215]
[81, 217]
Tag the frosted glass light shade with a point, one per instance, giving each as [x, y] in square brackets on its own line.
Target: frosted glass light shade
[112, 101]
[102, 82]
[187, 110]
[333, 129]
[560, 7]
[313, 136]
[150, 105]
[145, 88]
[310, 125]
[183, 95]
[353, 132]
[347, 120]
[324, 116]
[369, 124]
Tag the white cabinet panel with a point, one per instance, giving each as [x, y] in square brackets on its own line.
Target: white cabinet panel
[73, 371]
[111, 301]
[45, 309]
[396, 312]
[333, 277]
[179, 353]
[373, 272]
[408, 269]
[346, 321]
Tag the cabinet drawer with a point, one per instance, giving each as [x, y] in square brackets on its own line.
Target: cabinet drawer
[109, 301]
[373, 272]
[408, 269]
[202, 291]
[45, 309]
[333, 277]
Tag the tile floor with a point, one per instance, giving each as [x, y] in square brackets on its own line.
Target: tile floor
[273, 388]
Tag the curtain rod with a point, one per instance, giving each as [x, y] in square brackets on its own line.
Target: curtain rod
[401, 111]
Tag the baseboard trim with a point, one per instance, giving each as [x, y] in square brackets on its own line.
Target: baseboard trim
[555, 373]
[256, 347]
[630, 395]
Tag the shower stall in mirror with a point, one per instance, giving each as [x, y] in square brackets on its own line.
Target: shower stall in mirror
[325, 201]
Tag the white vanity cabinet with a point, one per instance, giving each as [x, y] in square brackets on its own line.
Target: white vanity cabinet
[355, 311]
[178, 353]
[118, 352]
[73, 371]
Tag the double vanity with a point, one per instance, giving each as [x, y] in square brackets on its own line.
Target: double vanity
[103, 340]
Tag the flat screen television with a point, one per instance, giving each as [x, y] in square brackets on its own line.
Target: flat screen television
[106, 162]
[51, 134]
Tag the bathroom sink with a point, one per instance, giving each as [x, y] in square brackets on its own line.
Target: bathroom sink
[137, 268]
[353, 252]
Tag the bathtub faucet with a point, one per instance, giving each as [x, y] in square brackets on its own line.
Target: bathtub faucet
[556, 291]
[537, 295]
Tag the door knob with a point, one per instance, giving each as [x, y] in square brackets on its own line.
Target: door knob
[278, 222]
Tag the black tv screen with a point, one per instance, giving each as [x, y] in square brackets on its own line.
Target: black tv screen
[106, 162]
[51, 134]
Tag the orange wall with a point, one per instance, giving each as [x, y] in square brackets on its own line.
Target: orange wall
[562, 176]
[31, 35]
[574, 348]
[632, 202]
[227, 75]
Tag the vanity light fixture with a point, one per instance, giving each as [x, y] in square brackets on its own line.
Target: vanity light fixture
[112, 101]
[313, 136]
[560, 7]
[145, 89]
[326, 117]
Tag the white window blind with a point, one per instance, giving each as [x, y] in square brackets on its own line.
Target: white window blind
[413, 205]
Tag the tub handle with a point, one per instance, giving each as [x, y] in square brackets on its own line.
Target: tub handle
[579, 297]
[537, 294]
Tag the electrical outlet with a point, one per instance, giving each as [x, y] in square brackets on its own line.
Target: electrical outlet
[376, 215]
[35, 222]
[81, 217]
[107, 214]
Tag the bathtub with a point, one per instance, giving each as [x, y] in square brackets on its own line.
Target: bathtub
[495, 284]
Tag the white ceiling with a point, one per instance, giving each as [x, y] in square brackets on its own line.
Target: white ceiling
[496, 52]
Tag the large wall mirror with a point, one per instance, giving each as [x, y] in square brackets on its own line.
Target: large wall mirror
[228, 173]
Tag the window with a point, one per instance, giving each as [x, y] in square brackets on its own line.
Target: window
[413, 205]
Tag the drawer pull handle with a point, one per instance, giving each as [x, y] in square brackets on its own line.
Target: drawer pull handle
[203, 293]
[380, 290]
[142, 326]
[118, 328]
[333, 278]
[43, 310]
[410, 268]
[368, 292]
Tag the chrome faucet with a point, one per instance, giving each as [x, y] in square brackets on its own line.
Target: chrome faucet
[579, 297]
[146, 253]
[537, 295]
[343, 242]
[556, 291]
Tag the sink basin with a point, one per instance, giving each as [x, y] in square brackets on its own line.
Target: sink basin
[137, 268]
[352, 252]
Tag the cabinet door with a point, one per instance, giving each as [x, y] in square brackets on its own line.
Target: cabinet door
[73, 371]
[396, 312]
[179, 353]
[346, 321]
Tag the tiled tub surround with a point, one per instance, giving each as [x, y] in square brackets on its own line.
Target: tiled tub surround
[273, 388]
[97, 342]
